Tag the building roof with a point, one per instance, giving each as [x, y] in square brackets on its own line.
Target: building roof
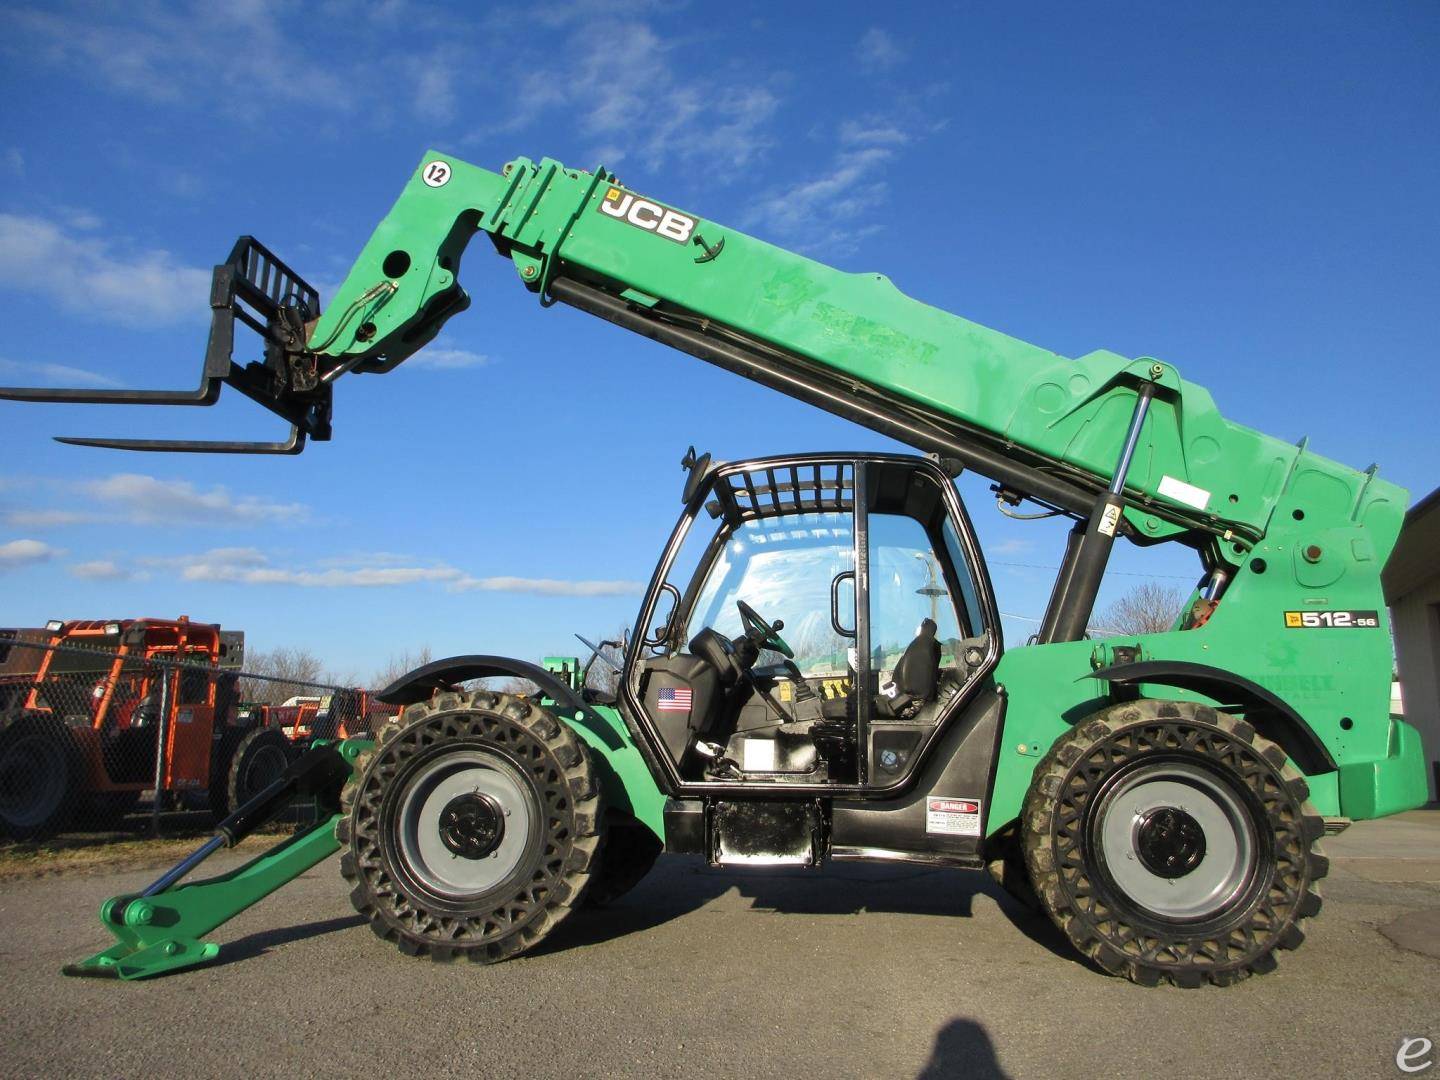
[1416, 558]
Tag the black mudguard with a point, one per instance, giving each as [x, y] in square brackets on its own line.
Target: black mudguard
[1270, 715]
[422, 683]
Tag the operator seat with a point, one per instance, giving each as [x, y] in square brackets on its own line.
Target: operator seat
[915, 681]
[916, 676]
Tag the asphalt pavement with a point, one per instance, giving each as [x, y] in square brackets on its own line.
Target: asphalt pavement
[853, 971]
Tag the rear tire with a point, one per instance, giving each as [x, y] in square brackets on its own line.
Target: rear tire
[259, 760]
[472, 827]
[42, 778]
[1171, 843]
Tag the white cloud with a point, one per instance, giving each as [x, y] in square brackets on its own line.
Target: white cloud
[366, 558]
[146, 500]
[80, 219]
[877, 51]
[823, 214]
[1013, 546]
[250, 566]
[435, 88]
[549, 586]
[182, 183]
[18, 553]
[93, 276]
[827, 214]
[872, 132]
[137, 499]
[44, 374]
[232, 55]
[46, 519]
[100, 570]
[440, 355]
[628, 96]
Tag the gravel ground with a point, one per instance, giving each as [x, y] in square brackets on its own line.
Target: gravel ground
[855, 971]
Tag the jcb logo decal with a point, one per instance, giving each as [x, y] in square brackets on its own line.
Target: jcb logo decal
[648, 215]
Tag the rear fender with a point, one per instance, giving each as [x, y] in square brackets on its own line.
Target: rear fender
[1266, 712]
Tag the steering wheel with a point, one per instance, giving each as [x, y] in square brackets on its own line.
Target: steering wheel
[763, 633]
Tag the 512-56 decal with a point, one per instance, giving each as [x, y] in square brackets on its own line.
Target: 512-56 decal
[1332, 620]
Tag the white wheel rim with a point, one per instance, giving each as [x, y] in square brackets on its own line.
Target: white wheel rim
[1230, 844]
[423, 801]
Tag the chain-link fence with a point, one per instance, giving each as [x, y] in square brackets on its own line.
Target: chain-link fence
[127, 737]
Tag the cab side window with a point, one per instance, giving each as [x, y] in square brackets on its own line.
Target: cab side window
[907, 587]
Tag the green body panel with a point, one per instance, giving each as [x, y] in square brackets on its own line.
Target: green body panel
[625, 779]
[1337, 680]
[1303, 533]
[1391, 784]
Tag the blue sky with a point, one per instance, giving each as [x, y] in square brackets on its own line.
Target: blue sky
[1248, 192]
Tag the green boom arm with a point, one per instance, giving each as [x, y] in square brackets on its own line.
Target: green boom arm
[1045, 426]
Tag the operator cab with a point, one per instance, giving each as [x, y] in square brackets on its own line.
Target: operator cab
[805, 634]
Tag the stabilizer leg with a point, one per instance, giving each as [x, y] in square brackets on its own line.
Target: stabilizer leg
[161, 929]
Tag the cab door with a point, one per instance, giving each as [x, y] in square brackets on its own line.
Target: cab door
[930, 629]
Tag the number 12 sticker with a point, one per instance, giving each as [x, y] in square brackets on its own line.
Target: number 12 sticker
[436, 174]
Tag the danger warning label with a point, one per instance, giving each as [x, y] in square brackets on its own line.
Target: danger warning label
[954, 817]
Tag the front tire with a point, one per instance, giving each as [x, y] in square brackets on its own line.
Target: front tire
[1170, 842]
[472, 827]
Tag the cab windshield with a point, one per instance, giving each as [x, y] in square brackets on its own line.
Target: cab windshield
[783, 567]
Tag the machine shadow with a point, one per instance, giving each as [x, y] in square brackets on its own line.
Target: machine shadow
[681, 884]
[258, 944]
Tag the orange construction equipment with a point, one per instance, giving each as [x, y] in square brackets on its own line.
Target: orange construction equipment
[112, 709]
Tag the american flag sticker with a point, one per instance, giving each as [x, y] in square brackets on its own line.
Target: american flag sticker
[673, 700]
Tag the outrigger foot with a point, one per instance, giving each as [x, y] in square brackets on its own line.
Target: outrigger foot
[160, 929]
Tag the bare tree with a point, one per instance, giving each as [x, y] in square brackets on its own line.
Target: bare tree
[399, 664]
[1148, 608]
[508, 684]
[287, 671]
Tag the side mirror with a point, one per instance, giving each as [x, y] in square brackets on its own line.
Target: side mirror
[697, 468]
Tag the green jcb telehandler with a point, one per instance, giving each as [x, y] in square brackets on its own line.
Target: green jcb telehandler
[820, 672]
